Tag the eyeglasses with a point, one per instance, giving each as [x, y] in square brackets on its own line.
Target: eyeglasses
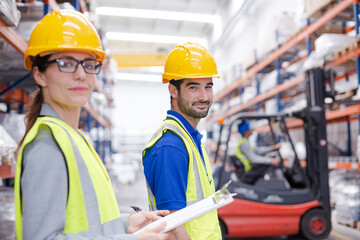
[69, 65]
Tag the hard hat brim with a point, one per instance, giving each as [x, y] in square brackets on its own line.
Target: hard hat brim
[168, 77]
[98, 53]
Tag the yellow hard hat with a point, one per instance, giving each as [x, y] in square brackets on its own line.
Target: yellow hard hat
[189, 60]
[63, 30]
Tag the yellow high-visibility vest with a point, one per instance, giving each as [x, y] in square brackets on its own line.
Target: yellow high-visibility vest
[200, 185]
[246, 162]
[79, 154]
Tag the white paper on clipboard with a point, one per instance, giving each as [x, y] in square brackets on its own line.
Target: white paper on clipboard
[219, 199]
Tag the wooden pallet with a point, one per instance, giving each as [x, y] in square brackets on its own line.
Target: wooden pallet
[327, 28]
[345, 50]
[320, 11]
[352, 224]
[357, 43]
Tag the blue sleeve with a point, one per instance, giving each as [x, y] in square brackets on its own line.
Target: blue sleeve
[166, 171]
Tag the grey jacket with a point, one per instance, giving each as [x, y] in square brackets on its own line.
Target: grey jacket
[254, 157]
[44, 191]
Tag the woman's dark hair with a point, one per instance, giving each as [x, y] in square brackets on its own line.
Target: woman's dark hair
[33, 108]
[40, 62]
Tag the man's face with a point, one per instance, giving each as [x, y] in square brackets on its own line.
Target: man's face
[195, 97]
[249, 132]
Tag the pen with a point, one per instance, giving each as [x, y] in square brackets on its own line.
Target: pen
[137, 209]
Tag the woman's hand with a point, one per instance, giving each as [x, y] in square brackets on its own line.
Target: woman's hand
[143, 218]
[154, 233]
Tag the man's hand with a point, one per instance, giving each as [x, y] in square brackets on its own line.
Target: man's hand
[276, 146]
[275, 161]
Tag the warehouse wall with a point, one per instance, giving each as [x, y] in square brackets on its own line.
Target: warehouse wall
[139, 107]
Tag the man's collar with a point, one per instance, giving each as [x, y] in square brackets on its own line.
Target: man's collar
[176, 115]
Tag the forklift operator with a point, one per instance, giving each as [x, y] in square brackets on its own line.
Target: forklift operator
[254, 164]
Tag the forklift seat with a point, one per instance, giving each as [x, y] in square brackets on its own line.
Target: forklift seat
[239, 167]
[257, 173]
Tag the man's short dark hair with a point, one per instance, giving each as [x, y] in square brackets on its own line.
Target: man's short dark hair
[177, 84]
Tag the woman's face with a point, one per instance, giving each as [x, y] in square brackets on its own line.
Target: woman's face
[64, 89]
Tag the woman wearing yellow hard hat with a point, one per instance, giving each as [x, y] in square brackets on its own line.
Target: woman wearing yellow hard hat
[62, 190]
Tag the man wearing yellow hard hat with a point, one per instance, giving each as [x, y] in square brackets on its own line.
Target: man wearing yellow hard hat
[176, 164]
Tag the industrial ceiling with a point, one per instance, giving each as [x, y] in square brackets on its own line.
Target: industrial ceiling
[137, 33]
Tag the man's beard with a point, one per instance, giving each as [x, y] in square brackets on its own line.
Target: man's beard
[191, 111]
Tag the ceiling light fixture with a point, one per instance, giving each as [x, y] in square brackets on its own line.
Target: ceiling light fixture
[158, 14]
[152, 69]
[152, 38]
[139, 77]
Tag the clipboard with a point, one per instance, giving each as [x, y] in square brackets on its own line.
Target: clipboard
[219, 199]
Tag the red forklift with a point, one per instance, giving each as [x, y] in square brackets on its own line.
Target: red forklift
[291, 200]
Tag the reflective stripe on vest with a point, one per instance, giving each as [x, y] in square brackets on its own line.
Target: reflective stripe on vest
[199, 186]
[246, 162]
[91, 206]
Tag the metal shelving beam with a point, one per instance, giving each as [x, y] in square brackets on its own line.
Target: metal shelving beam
[335, 165]
[96, 116]
[271, 93]
[343, 58]
[330, 116]
[10, 36]
[46, 7]
[344, 165]
[7, 171]
[53, 5]
[257, 82]
[341, 113]
[285, 86]
[292, 42]
[15, 84]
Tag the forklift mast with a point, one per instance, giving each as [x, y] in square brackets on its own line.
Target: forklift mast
[315, 136]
